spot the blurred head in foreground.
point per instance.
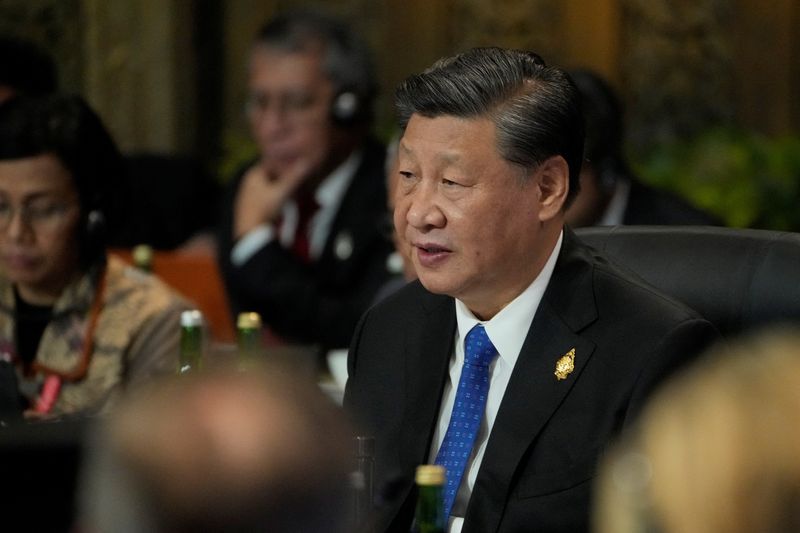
(227, 450)
(716, 451)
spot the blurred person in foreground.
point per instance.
(77, 326)
(301, 239)
(520, 351)
(222, 451)
(716, 451)
(610, 193)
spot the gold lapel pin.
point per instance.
(565, 365)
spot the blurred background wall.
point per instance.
(709, 86)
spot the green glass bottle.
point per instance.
(192, 342)
(362, 484)
(429, 516)
(249, 336)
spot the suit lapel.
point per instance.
(426, 370)
(534, 393)
(356, 216)
(426, 360)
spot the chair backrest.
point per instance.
(739, 279)
(195, 274)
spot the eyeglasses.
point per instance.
(41, 216)
(292, 107)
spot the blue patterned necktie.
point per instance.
(465, 420)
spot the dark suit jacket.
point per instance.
(541, 455)
(163, 201)
(651, 206)
(322, 301)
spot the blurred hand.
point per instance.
(262, 193)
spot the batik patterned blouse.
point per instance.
(136, 337)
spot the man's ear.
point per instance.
(552, 179)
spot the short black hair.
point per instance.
(347, 60)
(535, 108)
(603, 114)
(27, 68)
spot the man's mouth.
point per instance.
(431, 255)
(432, 248)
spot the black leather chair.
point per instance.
(739, 279)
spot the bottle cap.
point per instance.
(192, 318)
(430, 475)
(248, 321)
(365, 446)
(142, 255)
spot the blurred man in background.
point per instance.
(610, 193)
(301, 239)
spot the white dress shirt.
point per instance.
(507, 331)
(615, 211)
(329, 195)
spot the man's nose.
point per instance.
(271, 121)
(424, 211)
(17, 226)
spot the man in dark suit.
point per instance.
(301, 240)
(610, 192)
(569, 346)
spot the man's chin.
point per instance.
(436, 283)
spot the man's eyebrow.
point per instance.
(35, 195)
(47, 195)
(446, 157)
(404, 148)
(450, 157)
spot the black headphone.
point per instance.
(347, 108)
(608, 171)
(95, 224)
(93, 236)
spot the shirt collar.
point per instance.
(508, 329)
(333, 187)
(615, 211)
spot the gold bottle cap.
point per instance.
(142, 255)
(430, 475)
(248, 321)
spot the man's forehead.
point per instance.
(279, 62)
(446, 138)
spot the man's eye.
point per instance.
(258, 102)
(298, 102)
(449, 183)
(43, 210)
